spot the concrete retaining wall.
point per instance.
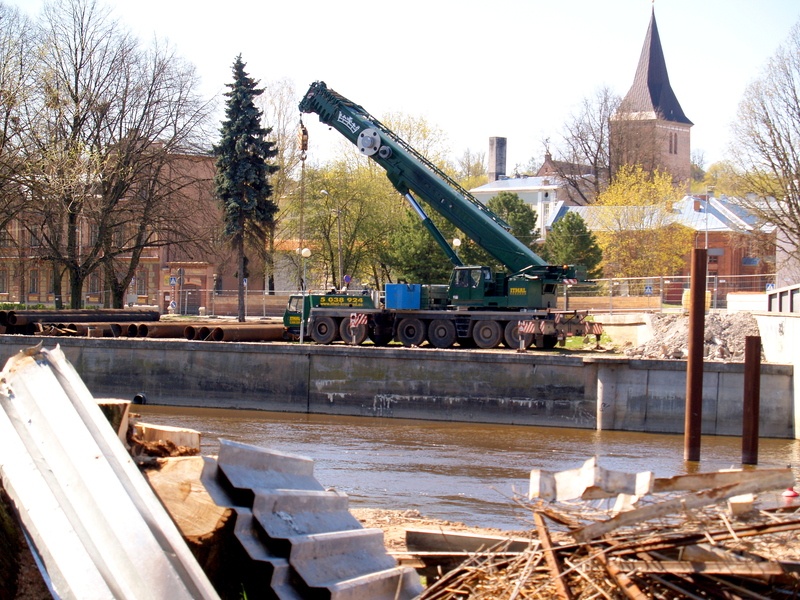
(533, 388)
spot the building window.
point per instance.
(33, 281)
(94, 284)
(6, 241)
(35, 241)
(3, 281)
(141, 283)
(673, 143)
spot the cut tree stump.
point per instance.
(206, 527)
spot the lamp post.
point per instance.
(213, 293)
(304, 254)
(339, 228)
(456, 245)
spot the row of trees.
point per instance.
(91, 123)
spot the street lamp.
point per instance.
(456, 245)
(214, 293)
(304, 254)
(339, 227)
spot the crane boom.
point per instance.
(409, 172)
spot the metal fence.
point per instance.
(602, 295)
(658, 293)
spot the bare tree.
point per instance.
(16, 44)
(767, 145)
(584, 160)
(106, 121)
(278, 105)
(471, 169)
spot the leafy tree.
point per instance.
(416, 257)
(724, 178)
(635, 228)
(513, 210)
(767, 137)
(242, 170)
(570, 242)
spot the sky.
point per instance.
(475, 69)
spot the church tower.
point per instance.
(649, 127)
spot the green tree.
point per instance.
(513, 210)
(570, 242)
(636, 230)
(242, 171)
(415, 257)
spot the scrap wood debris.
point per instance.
(725, 534)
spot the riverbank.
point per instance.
(588, 391)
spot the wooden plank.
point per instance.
(720, 535)
(775, 479)
(747, 569)
(551, 558)
(704, 481)
(624, 583)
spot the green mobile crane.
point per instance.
(478, 307)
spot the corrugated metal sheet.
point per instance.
(95, 525)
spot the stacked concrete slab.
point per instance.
(303, 541)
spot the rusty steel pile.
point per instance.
(132, 323)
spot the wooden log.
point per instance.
(550, 556)
(704, 481)
(206, 527)
(747, 569)
(624, 583)
(180, 436)
(117, 413)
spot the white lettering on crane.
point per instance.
(348, 122)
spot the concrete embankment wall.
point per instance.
(533, 388)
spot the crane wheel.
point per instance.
(442, 333)
(487, 334)
(354, 336)
(511, 336)
(411, 332)
(324, 330)
(546, 342)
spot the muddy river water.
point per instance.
(453, 471)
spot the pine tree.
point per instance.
(571, 242)
(242, 170)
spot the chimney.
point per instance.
(497, 158)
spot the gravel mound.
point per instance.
(724, 336)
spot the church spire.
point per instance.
(651, 95)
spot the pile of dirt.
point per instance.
(724, 338)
